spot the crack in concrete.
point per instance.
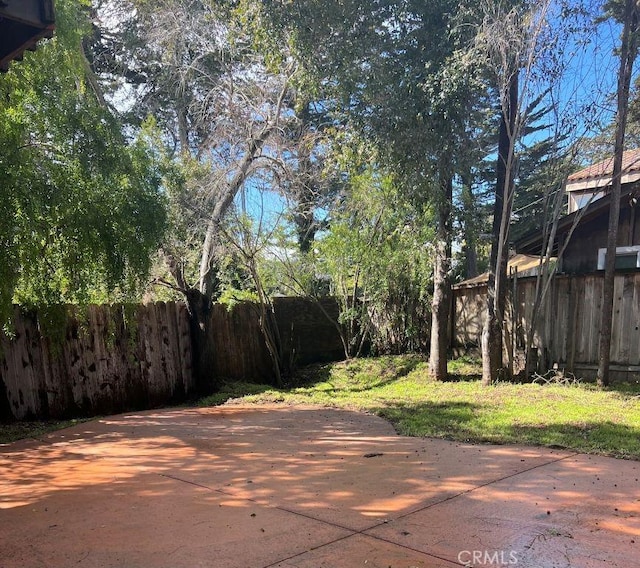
(352, 532)
(366, 531)
(482, 486)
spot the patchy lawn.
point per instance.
(582, 418)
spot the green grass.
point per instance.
(19, 430)
(582, 418)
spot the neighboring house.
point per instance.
(22, 24)
(520, 265)
(567, 322)
(586, 225)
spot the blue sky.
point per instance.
(588, 86)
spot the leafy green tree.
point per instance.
(228, 119)
(305, 178)
(81, 202)
(395, 71)
(374, 255)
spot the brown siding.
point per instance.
(581, 254)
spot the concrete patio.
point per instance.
(266, 486)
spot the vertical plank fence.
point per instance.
(238, 348)
(568, 324)
(101, 359)
(107, 359)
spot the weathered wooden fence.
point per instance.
(568, 322)
(239, 350)
(94, 360)
(106, 359)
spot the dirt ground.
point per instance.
(266, 486)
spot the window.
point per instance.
(626, 257)
(578, 200)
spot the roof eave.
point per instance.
(531, 243)
(600, 182)
(24, 23)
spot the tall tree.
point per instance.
(223, 115)
(309, 184)
(393, 69)
(522, 43)
(81, 201)
(628, 12)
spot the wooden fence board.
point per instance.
(596, 311)
(634, 340)
(569, 324)
(469, 315)
(573, 291)
(184, 347)
(115, 358)
(20, 378)
(586, 323)
(563, 320)
(171, 352)
(618, 336)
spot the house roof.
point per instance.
(599, 174)
(595, 176)
(532, 242)
(22, 24)
(523, 264)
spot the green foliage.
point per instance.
(374, 257)
(232, 296)
(394, 69)
(376, 254)
(82, 202)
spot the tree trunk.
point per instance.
(199, 307)
(470, 228)
(546, 274)
(497, 284)
(208, 281)
(305, 191)
(200, 299)
(306, 226)
(628, 52)
(441, 303)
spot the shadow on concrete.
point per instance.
(249, 486)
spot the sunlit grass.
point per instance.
(582, 418)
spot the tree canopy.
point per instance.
(387, 131)
(82, 203)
